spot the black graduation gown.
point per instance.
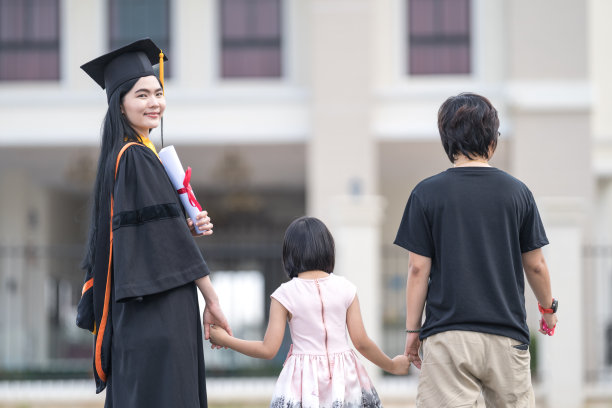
(148, 346)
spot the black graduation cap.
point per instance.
(132, 61)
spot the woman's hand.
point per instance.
(214, 317)
(203, 223)
(218, 337)
(401, 365)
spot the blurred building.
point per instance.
(320, 107)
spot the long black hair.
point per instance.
(116, 131)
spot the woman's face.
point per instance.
(144, 105)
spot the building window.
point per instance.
(29, 40)
(251, 38)
(439, 37)
(131, 20)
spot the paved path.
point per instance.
(395, 392)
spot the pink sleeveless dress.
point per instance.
(321, 370)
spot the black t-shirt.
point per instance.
(474, 223)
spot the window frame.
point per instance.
(164, 43)
(29, 44)
(403, 64)
(284, 48)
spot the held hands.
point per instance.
(401, 365)
(214, 318)
(412, 349)
(218, 337)
(203, 223)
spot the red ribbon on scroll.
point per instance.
(187, 189)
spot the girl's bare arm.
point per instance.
(398, 365)
(267, 348)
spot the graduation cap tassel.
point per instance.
(161, 68)
(161, 80)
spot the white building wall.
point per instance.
(345, 96)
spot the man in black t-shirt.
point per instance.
(470, 232)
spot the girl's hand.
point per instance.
(203, 223)
(401, 365)
(218, 336)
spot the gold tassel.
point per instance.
(161, 80)
(161, 69)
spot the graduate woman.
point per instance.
(142, 265)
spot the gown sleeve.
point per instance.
(153, 249)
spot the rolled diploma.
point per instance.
(175, 171)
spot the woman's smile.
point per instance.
(144, 105)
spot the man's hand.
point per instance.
(412, 348)
(551, 321)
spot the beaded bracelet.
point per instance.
(413, 331)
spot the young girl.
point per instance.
(321, 369)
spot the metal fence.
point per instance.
(597, 313)
(393, 298)
(40, 287)
(248, 259)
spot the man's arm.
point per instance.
(538, 277)
(419, 267)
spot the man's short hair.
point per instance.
(468, 125)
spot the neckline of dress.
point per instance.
(313, 279)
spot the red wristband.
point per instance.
(551, 310)
(544, 310)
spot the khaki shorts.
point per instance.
(459, 365)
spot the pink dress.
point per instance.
(321, 370)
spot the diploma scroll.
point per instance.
(180, 180)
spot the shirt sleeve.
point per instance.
(532, 235)
(414, 233)
(153, 249)
(281, 295)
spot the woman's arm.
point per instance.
(259, 349)
(212, 312)
(369, 349)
